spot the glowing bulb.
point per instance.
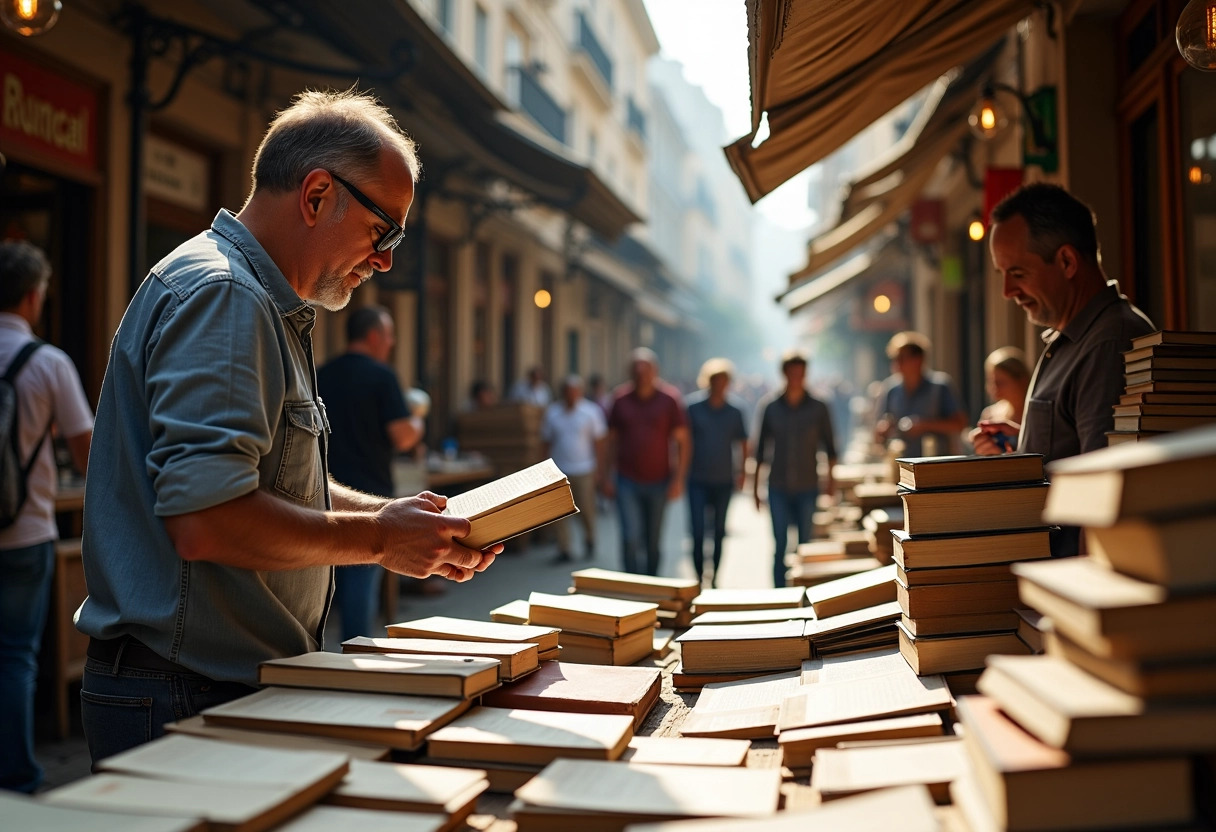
(986, 118)
(30, 17)
(976, 230)
(1195, 175)
(1196, 34)
(882, 304)
(542, 298)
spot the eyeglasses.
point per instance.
(393, 235)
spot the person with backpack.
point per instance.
(40, 390)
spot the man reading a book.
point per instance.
(212, 527)
(1045, 247)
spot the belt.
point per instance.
(126, 651)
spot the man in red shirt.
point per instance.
(646, 419)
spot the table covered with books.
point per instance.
(972, 682)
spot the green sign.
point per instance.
(1041, 148)
(952, 272)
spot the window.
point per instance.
(481, 39)
(1198, 181)
(445, 12)
(513, 61)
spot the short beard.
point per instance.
(331, 292)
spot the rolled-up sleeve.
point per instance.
(215, 390)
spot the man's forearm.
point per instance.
(345, 498)
(258, 531)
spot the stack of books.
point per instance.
(869, 696)
(230, 786)
(246, 787)
(462, 677)
(378, 719)
(513, 745)
(871, 495)
(595, 629)
(512, 612)
(1109, 728)
(812, 573)
(508, 434)
(515, 660)
(746, 709)
(583, 689)
(966, 521)
(597, 795)
(724, 652)
(879, 524)
(673, 596)
(1171, 385)
(726, 600)
(467, 629)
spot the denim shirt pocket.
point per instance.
(300, 470)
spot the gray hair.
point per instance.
(341, 131)
(23, 268)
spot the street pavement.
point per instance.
(746, 563)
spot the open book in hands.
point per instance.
(514, 504)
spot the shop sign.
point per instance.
(47, 114)
(176, 174)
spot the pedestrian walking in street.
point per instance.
(574, 434)
(47, 395)
(647, 426)
(719, 449)
(793, 428)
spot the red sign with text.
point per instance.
(48, 114)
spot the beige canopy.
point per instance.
(823, 70)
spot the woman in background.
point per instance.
(1006, 379)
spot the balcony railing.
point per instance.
(589, 43)
(635, 118)
(535, 100)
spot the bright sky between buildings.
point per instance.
(709, 37)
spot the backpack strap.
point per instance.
(10, 376)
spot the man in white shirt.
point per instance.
(48, 393)
(574, 433)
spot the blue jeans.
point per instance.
(123, 706)
(25, 592)
(715, 499)
(790, 507)
(641, 506)
(356, 592)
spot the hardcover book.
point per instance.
(514, 504)
(460, 676)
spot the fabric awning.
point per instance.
(824, 71)
(895, 180)
(458, 122)
(866, 262)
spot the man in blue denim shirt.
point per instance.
(211, 526)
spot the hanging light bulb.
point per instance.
(30, 17)
(986, 117)
(1196, 34)
(975, 230)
